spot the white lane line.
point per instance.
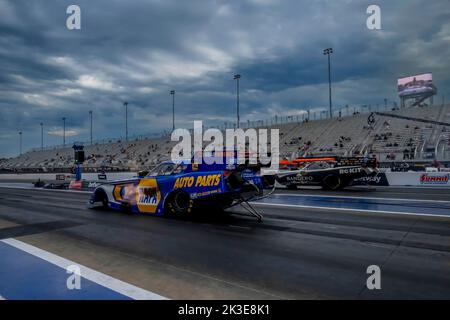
(353, 197)
(277, 194)
(41, 189)
(102, 279)
(431, 187)
(349, 209)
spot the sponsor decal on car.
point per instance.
(379, 179)
(184, 182)
(374, 180)
(210, 180)
(350, 170)
(247, 174)
(196, 195)
(124, 192)
(148, 195)
(300, 178)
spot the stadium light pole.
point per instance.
(64, 131)
(90, 114)
(42, 136)
(20, 143)
(126, 120)
(237, 77)
(172, 93)
(328, 52)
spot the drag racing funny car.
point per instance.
(180, 188)
(330, 175)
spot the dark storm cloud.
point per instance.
(137, 51)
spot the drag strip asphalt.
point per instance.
(295, 253)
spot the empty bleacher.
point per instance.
(389, 138)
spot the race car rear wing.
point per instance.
(339, 161)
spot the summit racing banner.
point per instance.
(434, 179)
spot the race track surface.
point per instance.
(311, 245)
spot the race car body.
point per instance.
(178, 188)
(323, 174)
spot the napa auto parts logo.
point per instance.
(434, 178)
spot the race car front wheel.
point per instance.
(331, 182)
(179, 203)
(101, 197)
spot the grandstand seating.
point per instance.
(391, 139)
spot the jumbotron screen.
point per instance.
(414, 85)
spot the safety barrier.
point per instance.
(418, 179)
(110, 176)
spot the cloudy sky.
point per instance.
(139, 50)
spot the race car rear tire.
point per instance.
(291, 187)
(331, 182)
(178, 203)
(105, 202)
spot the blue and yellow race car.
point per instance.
(179, 188)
